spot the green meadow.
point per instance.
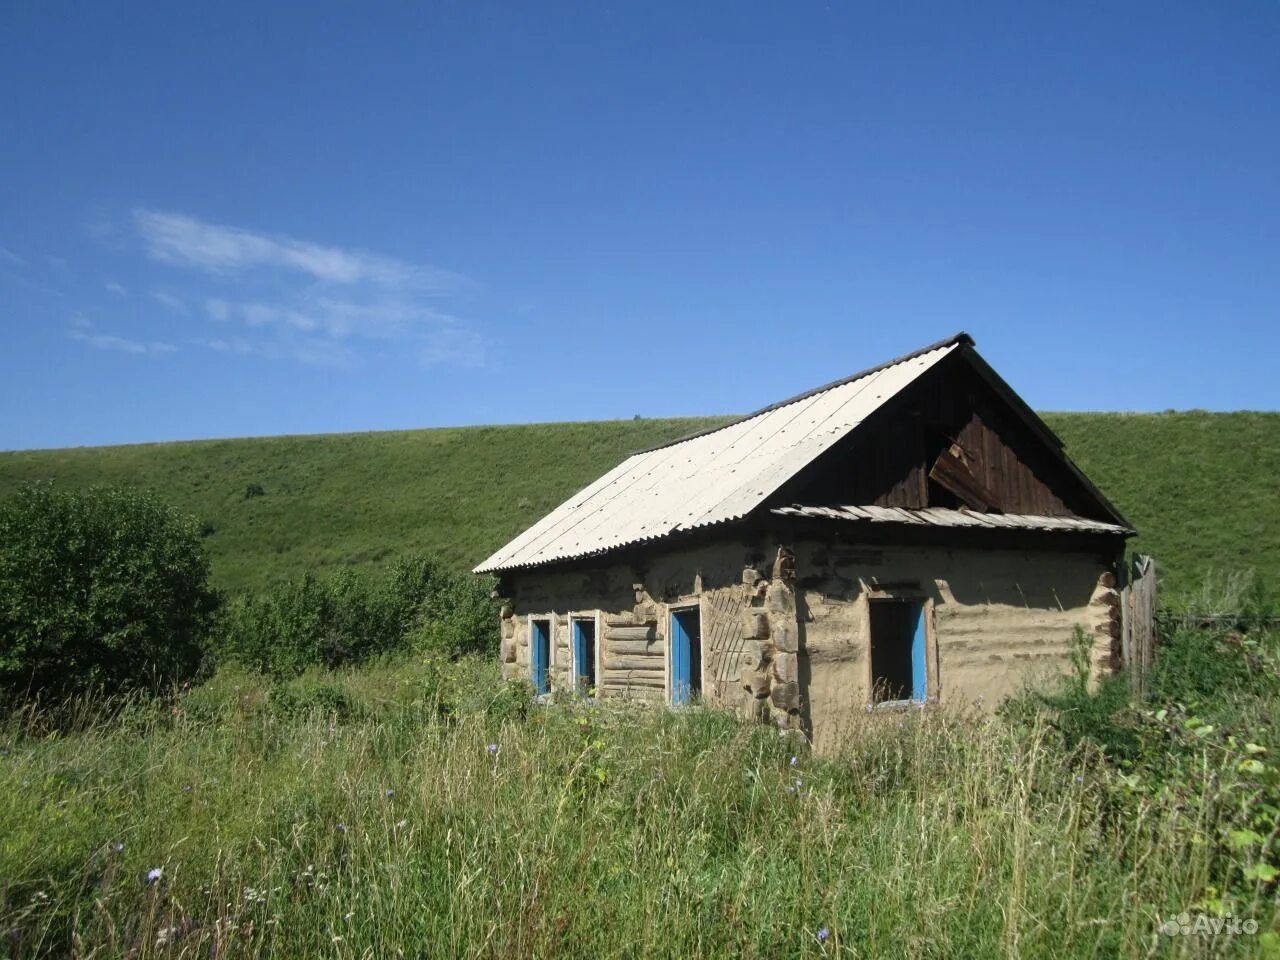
(418, 806)
(1203, 489)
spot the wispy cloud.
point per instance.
(386, 319)
(463, 348)
(178, 238)
(11, 258)
(280, 297)
(313, 352)
(169, 301)
(259, 314)
(84, 332)
(118, 289)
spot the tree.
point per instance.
(108, 587)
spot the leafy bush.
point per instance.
(107, 587)
(1205, 736)
(1200, 673)
(290, 702)
(418, 605)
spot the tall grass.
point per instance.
(427, 810)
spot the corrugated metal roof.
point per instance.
(711, 477)
(946, 517)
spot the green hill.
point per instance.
(1201, 487)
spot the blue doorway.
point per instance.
(584, 655)
(686, 654)
(898, 659)
(540, 655)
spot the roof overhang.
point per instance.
(717, 476)
(945, 517)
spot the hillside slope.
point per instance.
(354, 499)
(1201, 487)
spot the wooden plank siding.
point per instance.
(633, 658)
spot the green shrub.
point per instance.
(293, 701)
(106, 587)
(348, 618)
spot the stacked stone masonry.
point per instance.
(785, 627)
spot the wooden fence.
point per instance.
(1138, 620)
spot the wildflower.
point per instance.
(799, 782)
(492, 748)
(340, 827)
(791, 789)
(388, 792)
(154, 874)
(186, 788)
(1079, 778)
(401, 824)
(794, 761)
(823, 934)
(117, 847)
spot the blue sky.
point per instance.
(273, 218)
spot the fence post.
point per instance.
(1138, 621)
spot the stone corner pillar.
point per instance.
(770, 627)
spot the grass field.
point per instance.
(423, 808)
(1201, 487)
(349, 815)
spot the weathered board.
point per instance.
(1138, 621)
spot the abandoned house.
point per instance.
(913, 533)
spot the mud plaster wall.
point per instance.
(994, 619)
(785, 635)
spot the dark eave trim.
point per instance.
(1039, 427)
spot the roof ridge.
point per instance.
(955, 338)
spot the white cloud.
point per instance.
(107, 341)
(117, 288)
(219, 310)
(284, 298)
(169, 301)
(463, 348)
(177, 238)
(321, 353)
(380, 319)
(11, 258)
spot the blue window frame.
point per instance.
(540, 655)
(584, 654)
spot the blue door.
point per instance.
(919, 685)
(686, 655)
(540, 655)
(584, 655)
